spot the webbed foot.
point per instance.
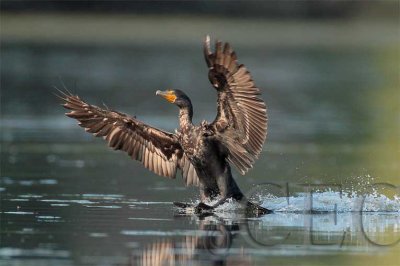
(254, 209)
(202, 207)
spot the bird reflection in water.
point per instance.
(210, 244)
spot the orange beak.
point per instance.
(169, 95)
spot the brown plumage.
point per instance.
(158, 150)
(241, 121)
(203, 152)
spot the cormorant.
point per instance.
(202, 152)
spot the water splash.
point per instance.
(332, 201)
(346, 200)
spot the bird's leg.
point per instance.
(252, 208)
(220, 202)
(204, 194)
(227, 187)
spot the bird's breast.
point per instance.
(195, 146)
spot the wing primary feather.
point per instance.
(241, 122)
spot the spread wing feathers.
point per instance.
(188, 172)
(241, 121)
(158, 150)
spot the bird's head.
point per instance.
(176, 97)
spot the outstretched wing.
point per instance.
(241, 121)
(158, 150)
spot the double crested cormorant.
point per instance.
(203, 152)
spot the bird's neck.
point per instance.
(185, 116)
